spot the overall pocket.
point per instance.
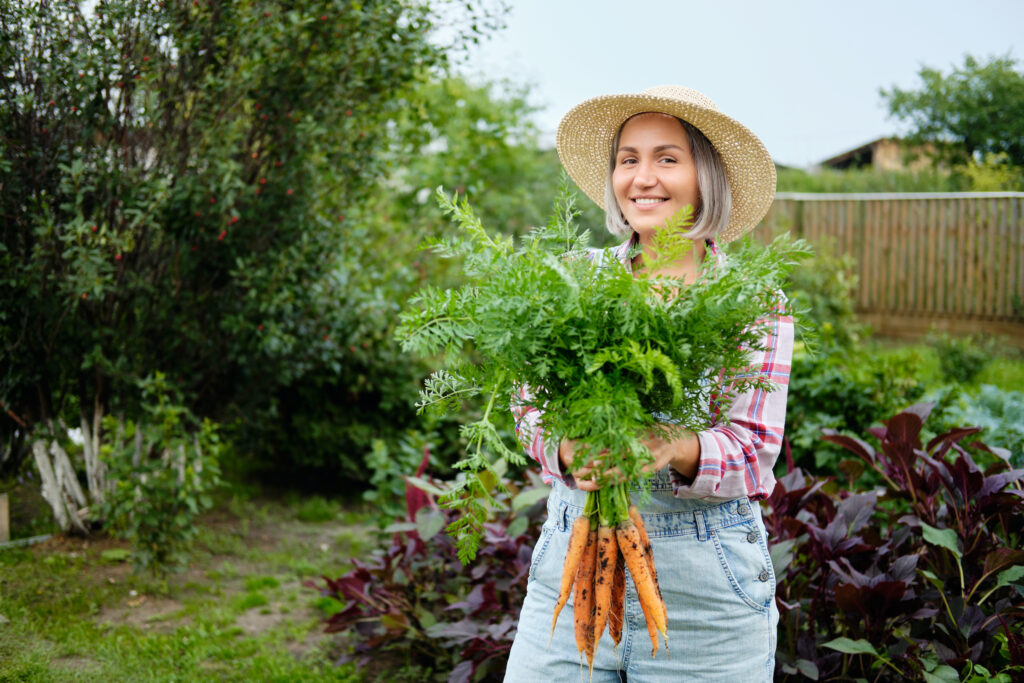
(743, 556)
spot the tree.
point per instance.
(179, 193)
(973, 113)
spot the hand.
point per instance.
(584, 482)
(682, 454)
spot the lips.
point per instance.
(648, 201)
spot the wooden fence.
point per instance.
(949, 261)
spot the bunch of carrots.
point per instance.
(606, 540)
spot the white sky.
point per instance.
(803, 75)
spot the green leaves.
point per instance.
(945, 538)
(601, 349)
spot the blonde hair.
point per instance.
(711, 216)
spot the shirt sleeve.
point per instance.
(739, 449)
(533, 439)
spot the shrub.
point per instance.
(163, 470)
(846, 390)
(822, 289)
(921, 578)
(961, 359)
(415, 606)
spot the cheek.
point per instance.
(620, 183)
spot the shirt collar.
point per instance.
(622, 251)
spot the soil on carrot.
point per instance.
(73, 609)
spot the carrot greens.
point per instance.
(606, 353)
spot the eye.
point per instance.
(624, 161)
(668, 160)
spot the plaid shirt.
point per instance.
(738, 449)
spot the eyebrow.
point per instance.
(659, 148)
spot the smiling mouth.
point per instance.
(648, 201)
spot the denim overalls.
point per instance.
(716, 578)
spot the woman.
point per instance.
(644, 157)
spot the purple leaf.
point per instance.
(462, 673)
(904, 429)
(850, 443)
(904, 568)
(1001, 558)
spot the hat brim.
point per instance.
(584, 143)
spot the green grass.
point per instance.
(239, 613)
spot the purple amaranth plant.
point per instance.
(921, 578)
(415, 604)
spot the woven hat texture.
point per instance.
(585, 135)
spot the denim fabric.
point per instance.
(716, 578)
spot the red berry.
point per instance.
(146, 58)
(352, 349)
(213, 200)
(366, 345)
(83, 295)
(222, 235)
(51, 103)
(278, 162)
(263, 181)
(44, 130)
(138, 76)
(348, 112)
(195, 247)
(327, 337)
(323, 17)
(257, 105)
(95, 228)
(198, 214)
(260, 328)
(257, 190)
(234, 219)
(289, 192)
(341, 218)
(74, 108)
(120, 84)
(117, 257)
(266, 14)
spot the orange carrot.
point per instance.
(577, 542)
(618, 599)
(607, 556)
(583, 602)
(638, 520)
(647, 593)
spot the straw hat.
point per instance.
(585, 137)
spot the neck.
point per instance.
(686, 266)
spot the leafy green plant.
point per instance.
(822, 288)
(164, 470)
(600, 348)
(391, 464)
(961, 359)
(998, 412)
(845, 389)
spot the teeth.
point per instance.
(648, 200)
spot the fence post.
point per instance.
(5, 519)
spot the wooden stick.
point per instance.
(5, 519)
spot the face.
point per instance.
(654, 175)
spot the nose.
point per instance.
(645, 176)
